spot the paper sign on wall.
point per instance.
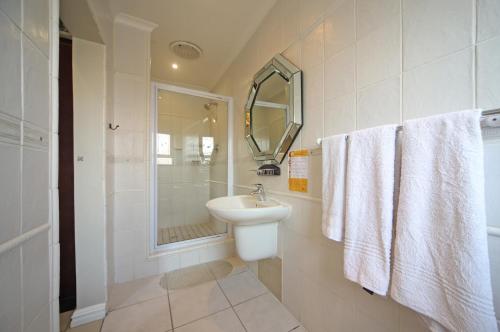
(298, 170)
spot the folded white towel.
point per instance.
(441, 266)
(334, 164)
(369, 207)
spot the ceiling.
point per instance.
(220, 27)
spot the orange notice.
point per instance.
(298, 164)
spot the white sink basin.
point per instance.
(245, 210)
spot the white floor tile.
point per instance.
(190, 304)
(151, 316)
(189, 276)
(265, 314)
(89, 327)
(241, 287)
(136, 291)
(227, 267)
(224, 321)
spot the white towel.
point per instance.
(334, 164)
(441, 266)
(369, 207)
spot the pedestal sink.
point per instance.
(255, 223)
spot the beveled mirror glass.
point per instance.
(273, 112)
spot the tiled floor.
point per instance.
(221, 296)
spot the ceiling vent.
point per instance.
(185, 50)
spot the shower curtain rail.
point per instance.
(489, 118)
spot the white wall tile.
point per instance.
(310, 11)
(35, 189)
(340, 28)
(35, 276)
(378, 54)
(488, 73)
(312, 105)
(10, 193)
(372, 14)
(36, 23)
(290, 21)
(438, 87)
(36, 85)
(312, 48)
(488, 16)
(379, 104)
(132, 42)
(432, 29)
(189, 257)
(492, 179)
(340, 115)
(10, 292)
(10, 67)
(12, 8)
(494, 249)
(340, 73)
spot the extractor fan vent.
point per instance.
(185, 50)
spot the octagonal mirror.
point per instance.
(273, 112)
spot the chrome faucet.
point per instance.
(259, 193)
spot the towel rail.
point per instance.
(489, 118)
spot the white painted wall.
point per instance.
(90, 219)
(29, 248)
(365, 63)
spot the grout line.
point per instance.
(232, 307)
(169, 303)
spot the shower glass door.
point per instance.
(190, 164)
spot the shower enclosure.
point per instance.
(190, 164)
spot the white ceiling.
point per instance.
(220, 27)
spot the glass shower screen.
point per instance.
(190, 165)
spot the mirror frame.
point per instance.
(290, 73)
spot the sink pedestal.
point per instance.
(256, 242)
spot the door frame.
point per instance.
(153, 219)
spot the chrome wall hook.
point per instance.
(111, 127)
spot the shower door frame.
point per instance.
(156, 248)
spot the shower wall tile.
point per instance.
(488, 16)
(433, 29)
(438, 87)
(488, 73)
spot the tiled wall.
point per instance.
(129, 163)
(365, 63)
(28, 85)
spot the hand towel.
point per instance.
(369, 207)
(441, 265)
(334, 163)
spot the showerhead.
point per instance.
(208, 106)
